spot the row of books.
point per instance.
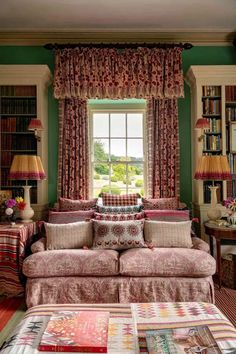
(87, 331)
(231, 188)
(8, 142)
(232, 162)
(15, 124)
(207, 192)
(18, 91)
(18, 106)
(230, 93)
(211, 91)
(211, 106)
(215, 125)
(212, 142)
(230, 114)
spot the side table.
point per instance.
(13, 244)
(219, 233)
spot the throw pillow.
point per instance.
(167, 215)
(66, 204)
(119, 209)
(118, 217)
(160, 203)
(168, 234)
(67, 217)
(119, 200)
(118, 235)
(65, 236)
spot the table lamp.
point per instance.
(27, 167)
(215, 168)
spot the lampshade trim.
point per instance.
(27, 175)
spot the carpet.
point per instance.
(12, 310)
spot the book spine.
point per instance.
(69, 348)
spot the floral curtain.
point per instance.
(73, 167)
(163, 148)
(109, 73)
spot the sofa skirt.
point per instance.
(61, 290)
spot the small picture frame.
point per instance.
(4, 195)
(232, 137)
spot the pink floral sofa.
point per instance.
(111, 276)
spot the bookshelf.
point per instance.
(23, 96)
(213, 96)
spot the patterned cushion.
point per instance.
(64, 236)
(118, 235)
(119, 209)
(67, 217)
(80, 204)
(160, 203)
(118, 217)
(168, 234)
(167, 215)
(125, 199)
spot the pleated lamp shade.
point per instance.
(35, 124)
(213, 167)
(202, 123)
(27, 167)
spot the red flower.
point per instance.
(21, 205)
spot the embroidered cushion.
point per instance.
(66, 204)
(167, 215)
(168, 234)
(119, 209)
(124, 199)
(118, 235)
(160, 203)
(67, 217)
(65, 236)
(118, 217)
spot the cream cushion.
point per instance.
(64, 236)
(168, 234)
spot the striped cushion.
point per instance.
(66, 204)
(167, 215)
(119, 209)
(118, 217)
(116, 200)
(160, 203)
(67, 217)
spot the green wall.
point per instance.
(195, 56)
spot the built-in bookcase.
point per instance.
(213, 96)
(23, 96)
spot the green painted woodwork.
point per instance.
(201, 55)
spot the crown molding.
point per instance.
(205, 37)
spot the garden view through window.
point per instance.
(117, 152)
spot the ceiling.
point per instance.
(42, 21)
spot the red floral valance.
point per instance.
(109, 73)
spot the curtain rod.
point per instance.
(52, 46)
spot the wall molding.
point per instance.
(205, 37)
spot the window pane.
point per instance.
(101, 149)
(135, 125)
(118, 149)
(135, 149)
(100, 125)
(118, 125)
(118, 175)
(135, 175)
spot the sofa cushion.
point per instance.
(66, 204)
(168, 234)
(118, 217)
(67, 217)
(160, 203)
(119, 209)
(74, 235)
(167, 215)
(119, 200)
(118, 235)
(178, 262)
(59, 263)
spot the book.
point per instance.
(76, 331)
(189, 340)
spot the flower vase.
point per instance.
(232, 219)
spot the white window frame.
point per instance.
(117, 108)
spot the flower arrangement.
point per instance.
(230, 203)
(12, 205)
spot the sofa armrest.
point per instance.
(39, 245)
(199, 244)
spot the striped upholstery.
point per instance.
(66, 217)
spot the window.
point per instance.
(117, 142)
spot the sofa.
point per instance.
(111, 276)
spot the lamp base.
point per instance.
(213, 212)
(28, 212)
